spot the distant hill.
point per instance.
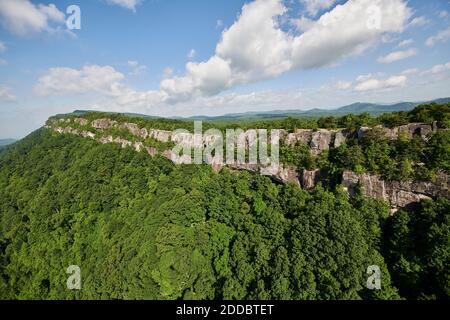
(5, 142)
(355, 108)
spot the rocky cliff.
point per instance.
(397, 194)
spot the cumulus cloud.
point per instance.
(302, 24)
(90, 78)
(253, 48)
(256, 48)
(205, 78)
(127, 4)
(23, 17)
(2, 47)
(397, 55)
(313, 7)
(101, 80)
(441, 36)
(372, 83)
(6, 94)
(360, 23)
(443, 14)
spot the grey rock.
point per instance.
(103, 123)
(320, 141)
(132, 128)
(310, 178)
(362, 132)
(81, 121)
(151, 151)
(397, 194)
(340, 138)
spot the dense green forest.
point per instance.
(140, 227)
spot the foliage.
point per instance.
(141, 228)
(417, 250)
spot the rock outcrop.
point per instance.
(103, 124)
(410, 130)
(81, 121)
(319, 140)
(133, 128)
(397, 194)
(160, 135)
(310, 178)
(341, 137)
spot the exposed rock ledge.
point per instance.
(397, 194)
(318, 140)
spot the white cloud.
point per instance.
(438, 69)
(6, 94)
(136, 68)
(219, 24)
(23, 17)
(132, 63)
(205, 78)
(419, 21)
(255, 48)
(348, 29)
(388, 38)
(3, 62)
(410, 71)
(303, 23)
(251, 49)
(343, 85)
(102, 81)
(127, 4)
(365, 77)
(405, 43)
(443, 14)
(90, 78)
(313, 7)
(371, 83)
(2, 47)
(441, 36)
(191, 55)
(397, 55)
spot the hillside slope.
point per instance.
(140, 227)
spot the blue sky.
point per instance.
(182, 58)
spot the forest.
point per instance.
(140, 227)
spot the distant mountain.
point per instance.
(5, 142)
(355, 108)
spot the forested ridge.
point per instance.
(141, 227)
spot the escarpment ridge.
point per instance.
(160, 142)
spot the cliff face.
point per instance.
(397, 194)
(318, 141)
